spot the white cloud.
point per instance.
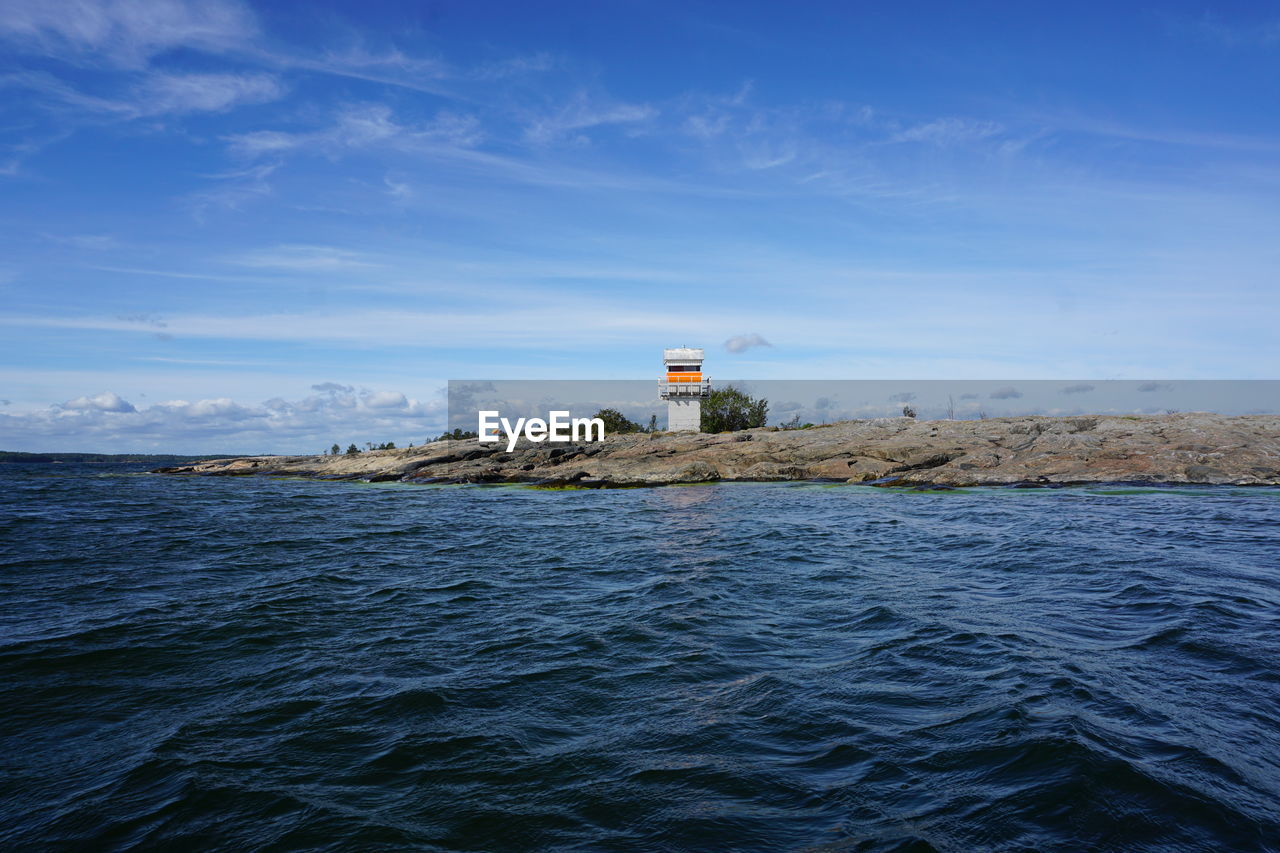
(362, 126)
(333, 388)
(124, 33)
(107, 422)
(706, 126)
(185, 93)
(358, 57)
(107, 401)
(515, 66)
(583, 113)
(742, 343)
(399, 190)
(304, 259)
(222, 408)
(55, 91)
(385, 400)
(949, 131)
(92, 242)
(139, 96)
(234, 188)
(758, 156)
(259, 142)
(430, 74)
(155, 94)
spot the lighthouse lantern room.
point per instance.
(684, 388)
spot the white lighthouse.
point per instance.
(684, 389)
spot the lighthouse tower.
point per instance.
(684, 389)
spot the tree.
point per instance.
(458, 434)
(729, 408)
(615, 421)
(794, 423)
(352, 450)
(335, 450)
(908, 412)
(653, 424)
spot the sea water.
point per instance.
(256, 663)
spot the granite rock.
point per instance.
(1177, 448)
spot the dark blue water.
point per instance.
(267, 664)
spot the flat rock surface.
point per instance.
(1176, 448)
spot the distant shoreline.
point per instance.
(16, 457)
(1189, 449)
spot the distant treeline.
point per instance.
(158, 458)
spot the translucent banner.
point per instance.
(818, 401)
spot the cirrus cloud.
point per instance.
(186, 93)
(124, 33)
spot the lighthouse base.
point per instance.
(684, 415)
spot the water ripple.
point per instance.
(296, 665)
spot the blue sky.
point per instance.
(267, 227)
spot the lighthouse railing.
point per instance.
(684, 388)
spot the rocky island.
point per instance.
(1177, 448)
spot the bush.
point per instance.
(728, 408)
(457, 435)
(352, 450)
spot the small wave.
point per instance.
(307, 666)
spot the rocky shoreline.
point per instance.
(1193, 448)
